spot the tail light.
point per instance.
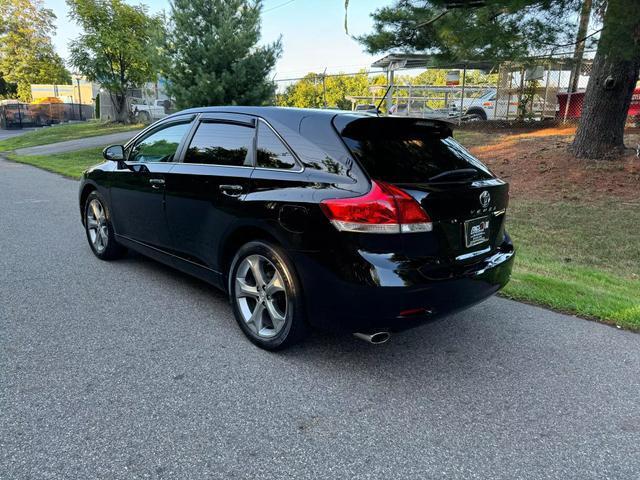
(384, 209)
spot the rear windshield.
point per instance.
(409, 151)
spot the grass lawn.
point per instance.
(581, 258)
(69, 164)
(60, 133)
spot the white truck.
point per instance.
(147, 112)
(485, 106)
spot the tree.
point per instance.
(613, 78)
(214, 54)
(117, 47)
(316, 90)
(26, 53)
(497, 29)
(7, 90)
(513, 29)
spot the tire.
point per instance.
(272, 317)
(144, 117)
(99, 229)
(476, 116)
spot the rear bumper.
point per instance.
(371, 292)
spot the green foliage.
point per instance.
(503, 29)
(117, 46)
(214, 56)
(7, 89)
(308, 92)
(26, 52)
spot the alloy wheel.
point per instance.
(97, 225)
(261, 296)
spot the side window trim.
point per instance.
(182, 149)
(156, 128)
(208, 119)
(299, 165)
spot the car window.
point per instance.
(406, 150)
(161, 145)
(221, 144)
(271, 152)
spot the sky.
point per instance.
(313, 35)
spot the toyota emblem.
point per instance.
(485, 199)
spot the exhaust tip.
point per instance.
(376, 338)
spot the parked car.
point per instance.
(341, 221)
(487, 106)
(149, 111)
(483, 107)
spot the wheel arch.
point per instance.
(238, 237)
(84, 194)
(477, 110)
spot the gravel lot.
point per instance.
(128, 370)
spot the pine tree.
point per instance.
(214, 54)
(615, 72)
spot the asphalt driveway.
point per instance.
(128, 370)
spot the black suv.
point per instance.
(350, 222)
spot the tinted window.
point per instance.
(221, 144)
(161, 145)
(405, 151)
(272, 153)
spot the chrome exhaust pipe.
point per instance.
(376, 338)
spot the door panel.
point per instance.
(202, 201)
(137, 192)
(205, 192)
(137, 201)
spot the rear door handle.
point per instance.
(156, 182)
(231, 190)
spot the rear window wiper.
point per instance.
(457, 174)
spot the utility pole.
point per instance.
(79, 98)
(583, 26)
(324, 87)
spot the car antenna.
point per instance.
(384, 97)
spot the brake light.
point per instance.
(384, 209)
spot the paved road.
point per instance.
(4, 134)
(79, 144)
(130, 370)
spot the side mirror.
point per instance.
(114, 153)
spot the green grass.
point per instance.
(60, 133)
(578, 258)
(69, 164)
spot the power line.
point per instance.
(278, 6)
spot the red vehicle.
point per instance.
(574, 109)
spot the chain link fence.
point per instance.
(547, 90)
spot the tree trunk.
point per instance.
(121, 111)
(611, 84)
(578, 53)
